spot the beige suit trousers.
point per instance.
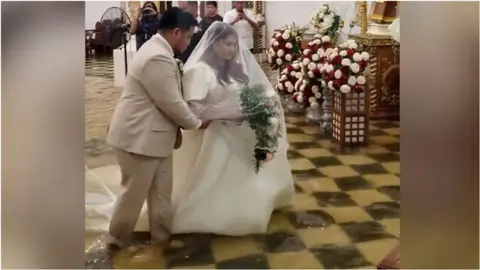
(143, 178)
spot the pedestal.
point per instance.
(119, 63)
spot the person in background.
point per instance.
(192, 8)
(211, 15)
(183, 5)
(145, 25)
(243, 21)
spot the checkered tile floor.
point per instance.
(346, 213)
(99, 66)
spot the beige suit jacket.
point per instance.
(151, 109)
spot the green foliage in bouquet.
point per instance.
(259, 110)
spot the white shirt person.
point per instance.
(243, 21)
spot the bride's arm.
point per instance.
(222, 111)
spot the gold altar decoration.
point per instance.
(384, 53)
(383, 12)
(259, 33)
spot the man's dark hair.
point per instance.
(176, 18)
(212, 3)
(192, 3)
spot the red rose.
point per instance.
(350, 52)
(331, 75)
(363, 65)
(345, 70)
(358, 88)
(336, 84)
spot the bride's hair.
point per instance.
(229, 69)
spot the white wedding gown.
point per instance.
(215, 187)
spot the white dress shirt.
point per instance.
(243, 28)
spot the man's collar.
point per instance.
(164, 42)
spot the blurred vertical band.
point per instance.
(43, 134)
(439, 143)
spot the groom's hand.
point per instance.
(205, 124)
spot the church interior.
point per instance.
(344, 140)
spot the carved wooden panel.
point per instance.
(258, 34)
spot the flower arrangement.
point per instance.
(285, 46)
(326, 21)
(260, 107)
(308, 90)
(347, 68)
(288, 77)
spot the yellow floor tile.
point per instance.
(391, 225)
(338, 171)
(301, 164)
(208, 266)
(225, 248)
(375, 251)
(374, 149)
(315, 152)
(355, 159)
(393, 167)
(147, 257)
(304, 202)
(367, 197)
(330, 235)
(348, 214)
(392, 131)
(294, 119)
(384, 139)
(312, 130)
(326, 144)
(293, 260)
(290, 125)
(321, 184)
(293, 137)
(280, 223)
(381, 180)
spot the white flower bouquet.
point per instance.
(326, 21)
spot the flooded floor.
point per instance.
(346, 212)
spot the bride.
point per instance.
(216, 189)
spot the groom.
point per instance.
(145, 129)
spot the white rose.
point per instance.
(325, 39)
(271, 51)
(295, 66)
(320, 51)
(317, 41)
(352, 45)
(284, 77)
(279, 61)
(361, 80)
(315, 89)
(343, 53)
(272, 41)
(288, 57)
(277, 35)
(329, 50)
(297, 83)
(273, 121)
(335, 49)
(330, 85)
(365, 56)
(288, 45)
(314, 105)
(318, 95)
(286, 35)
(302, 87)
(357, 57)
(305, 61)
(270, 94)
(317, 36)
(323, 83)
(338, 74)
(288, 83)
(345, 89)
(315, 57)
(311, 66)
(293, 73)
(280, 86)
(350, 41)
(312, 99)
(298, 75)
(319, 66)
(300, 99)
(290, 88)
(280, 53)
(329, 68)
(323, 69)
(333, 55)
(323, 8)
(306, 51)
(355, 68)
(275, 44)
(352, 80)
(346, 62)
(343, 45)
(269, 58)
(310, 74)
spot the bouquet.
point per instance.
(288, 77)
(261, 111)
(308, 90)
(347, 68)
(326, 22)
(285, 46)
